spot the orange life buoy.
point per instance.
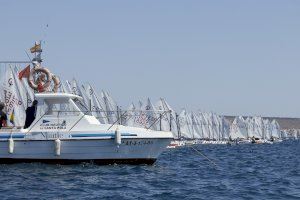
(43, 81)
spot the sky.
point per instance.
(231, 57)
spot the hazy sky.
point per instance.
(230, 57)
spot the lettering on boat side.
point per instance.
(55, 135)
(48, 125)
(137, 142)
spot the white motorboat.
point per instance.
(64, 133)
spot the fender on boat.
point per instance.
(118, 136)
(11, 146)
(57, 144)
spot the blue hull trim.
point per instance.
(100, 135)
(12, 136)
(79, 135)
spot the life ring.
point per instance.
(43, 83)
(41, 87)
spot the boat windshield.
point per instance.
(82, 106)
(63, 107)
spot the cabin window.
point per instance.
(60, 108)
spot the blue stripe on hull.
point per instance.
(13, 136)
(19, 136)
(101, 135)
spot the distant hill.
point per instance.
(285, 123)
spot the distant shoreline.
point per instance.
(286, 123)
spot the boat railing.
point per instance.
(148, 119)
(142, 118)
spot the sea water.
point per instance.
(261, 171)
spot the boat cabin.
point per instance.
(60, 112)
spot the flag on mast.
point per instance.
(36, 48)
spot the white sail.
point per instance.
(251, 127)
(258, 127)
(84, 94)
(11, 95)
(76, 89)
(164, 121)
(129, 117)
(267, 129)
(68, 87)
(96, 106)
(284, 134)
(172, 118)
(146, 116)
(168, 121)
(190, 125)
(185, 124)
(196, 126)
(26, 91)
(209, 125)
(238, 128)
(63, 88)
(138, 117)
(112, 110)
(225, 128)
(275, 130)
(205, 126)
(216, 126)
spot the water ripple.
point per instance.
(242, 172)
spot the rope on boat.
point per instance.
(207, 158)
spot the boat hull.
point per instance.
(98, 151)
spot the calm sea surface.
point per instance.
(243, 172)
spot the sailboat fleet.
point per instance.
(186, 127)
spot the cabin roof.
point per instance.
(56, 96)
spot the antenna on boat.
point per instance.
(37, 50)
(28, 56)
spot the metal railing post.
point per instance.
(160, 121)
(170, 120)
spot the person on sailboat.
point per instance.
(30, 114)
(3, 117)
(253, 140)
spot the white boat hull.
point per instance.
(99, 151)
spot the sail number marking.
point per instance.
(137, 143)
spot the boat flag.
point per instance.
(12, 118)
(36, 48)
(24, 73)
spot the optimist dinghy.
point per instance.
(63, 133)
